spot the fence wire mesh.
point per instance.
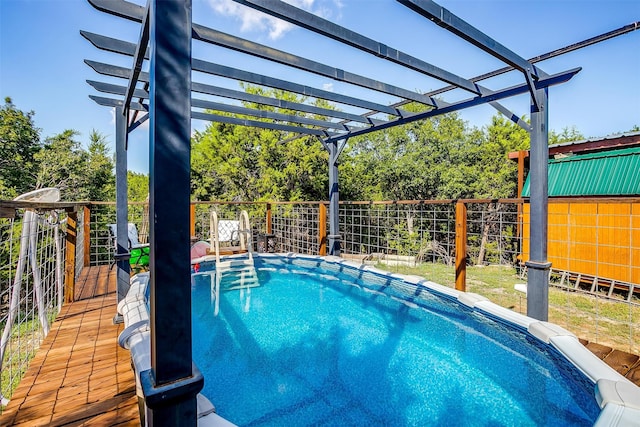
(296, 228)
(102, 243)
(594, 247)
(398, 233)
(32, 248)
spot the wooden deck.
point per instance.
(79, 376)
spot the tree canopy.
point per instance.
(19, 143)
(230, 162)
(437, 158)
(61, 161)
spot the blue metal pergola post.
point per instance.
(122, 241)
(334, 199)
(538, 265)
(171, 385)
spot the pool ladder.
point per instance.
(244, 240)
(243, 267)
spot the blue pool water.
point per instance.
(338, 347)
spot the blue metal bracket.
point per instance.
(133, 126)
(511, 116)
(341, 147)
(532, 89)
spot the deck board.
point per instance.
(79, 376)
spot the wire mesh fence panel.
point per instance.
(31, 288)
(102, 243)
(102, 240)
(493, 235)
(398, 233)
(596, 317)
(138, 215)
(595, 244)
(296, 227)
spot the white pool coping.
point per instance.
(618, 398)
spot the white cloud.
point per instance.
(328, 86)
(253, 20)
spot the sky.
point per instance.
(42, 54)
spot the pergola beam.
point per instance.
(511, 116)
(126, 48)
(447, 20)
(219, 38)
(110, 102)
(217, 106)
(121, 72)
(542, 57)
(470, 102)
(245, 46)
(334, 31)
(209, 35)
(280, 103)
(450, 22)
(138, 58)
(497, 95)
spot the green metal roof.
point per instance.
(606, 173)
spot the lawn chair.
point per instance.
(139, 258)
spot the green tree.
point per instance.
(19, 142)
(79, 174)
(100, 180)
(61, 165)
(567, 134)
(494, 176)
(137, 186)
(412, 161)
(231, 162)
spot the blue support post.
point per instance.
(122, 211)
(334, 199)
(538, 265)
(171, 385)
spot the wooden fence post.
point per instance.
(87, 236)
(70, 258)
(461, 246)
(322, 229)
(521, 156)
(192, 221)
(268, 219)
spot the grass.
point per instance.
(26, 336)
(614, 323)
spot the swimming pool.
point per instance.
(324, 341)
(319, 341)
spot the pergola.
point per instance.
(168, 98)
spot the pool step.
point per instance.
(234, 264)
(239, 278)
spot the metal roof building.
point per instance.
(605, 173)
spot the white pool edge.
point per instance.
(618, 398)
